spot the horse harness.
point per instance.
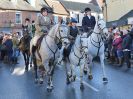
(82, 55)
(99, 40)
(60, 39)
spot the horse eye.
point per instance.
(99, 24)
(61, 30)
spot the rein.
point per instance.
(82, 55)
(60, 40)
(100, 39)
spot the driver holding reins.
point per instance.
(88, 21)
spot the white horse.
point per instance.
(47, 53)
(77, 57)
(96, 46)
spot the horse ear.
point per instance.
(57, 27)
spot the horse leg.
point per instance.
(69, 72)
(42, 72)
(90, 77)
(27, 60)
(31, 60)
(61, 55)
(35, 63)
(85, 68)
(81, 78)
(72, 72)
(50, 79)
(24, 54)
(103, 68)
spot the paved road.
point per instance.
(15, 84)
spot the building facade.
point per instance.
(115, 10)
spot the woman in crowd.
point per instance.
(117, 43)
(15, 41)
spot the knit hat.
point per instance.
(73, 20)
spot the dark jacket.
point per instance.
(86, 22)
(73, 31)
(127, 41)
(8, 43)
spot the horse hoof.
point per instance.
(36, 81)
(85, 72)
(81, 87)
(105, 80)
(26, 70)
(41, 81)
(74, 78)
(49, 89)
(90, 77)
(68, 81)
(30, 65)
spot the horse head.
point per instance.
(25, 30)
(60, 33)
(82, 43)
(100, 27)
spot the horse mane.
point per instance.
(53, 30)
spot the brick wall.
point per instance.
(7, 19)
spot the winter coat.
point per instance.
(127, 41)
(86, 22)
(42, 24)
(118, 43)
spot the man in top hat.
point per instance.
(88, 21)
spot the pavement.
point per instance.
(17, 84)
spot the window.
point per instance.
(18, 18)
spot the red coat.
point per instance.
(118, 43)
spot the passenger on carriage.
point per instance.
(88, 21)
(43, 23)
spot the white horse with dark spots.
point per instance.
(47, 53)
(77, 57)
(96, 47)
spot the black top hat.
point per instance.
(87, 9)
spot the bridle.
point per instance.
(99, 36)
(81, 49)
(60, 38)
